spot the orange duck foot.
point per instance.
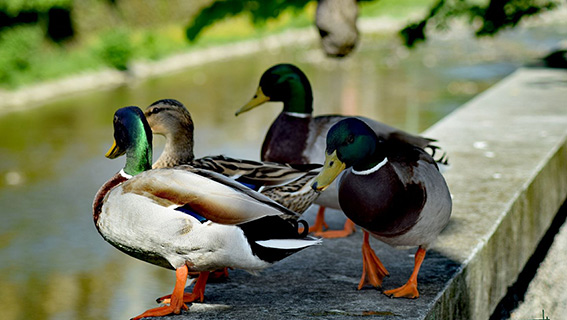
(176, 298)
(373, 271)
(218, 275)
(408, 290)
(330, 234)
(215, 276)
(162, 311)
(319, 224)
(197, 294)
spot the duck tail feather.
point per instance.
(436, 151)
(289, 244)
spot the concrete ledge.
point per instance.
(508, 149)
(509, 178)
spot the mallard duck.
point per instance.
(285, 184)
(298, 137)
(393, 190)
(336, 22)
(185, 218)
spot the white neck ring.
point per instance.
(298, 114)
(124, 174)
(371, 170)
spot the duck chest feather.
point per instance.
(101, 194)
(381, 202)
(286, 140)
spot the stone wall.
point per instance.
(508, 150)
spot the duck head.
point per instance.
(133, 137)
(169, 116)
(285, 83)
(350, 143)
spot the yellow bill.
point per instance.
(331, 169)
(114, 151)
(258, 99)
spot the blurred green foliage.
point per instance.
(20, 46)
(490, 16)
(259, 11)
(113, 33)
(14, 7)
(104, 33)
(116, 48)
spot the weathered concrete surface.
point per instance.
(508, 149)
(509, 177)
(547, 292)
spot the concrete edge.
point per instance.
(501, 253)
(458, 301)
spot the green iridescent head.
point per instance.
(350, 143)
(285, 83)
(133, 137)
(353, 141)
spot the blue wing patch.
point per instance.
(188, 210)
(249, 185)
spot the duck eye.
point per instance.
(155, 110)
(350, 139)
(323, 33)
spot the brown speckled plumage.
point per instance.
(284, 184)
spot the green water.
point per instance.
(53, 263)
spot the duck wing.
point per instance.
(408, 160)
(254, 172)
(209, 195)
